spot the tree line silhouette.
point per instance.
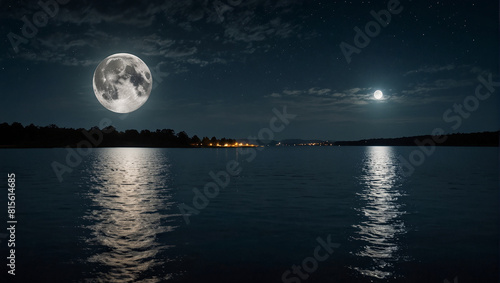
(16, 135)
(31, 136)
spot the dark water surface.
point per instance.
(116, 216)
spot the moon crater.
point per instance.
(122, 83)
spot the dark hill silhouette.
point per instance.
(457, 139)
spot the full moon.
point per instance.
(122, 83)
(378, 94)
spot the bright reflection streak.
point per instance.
(379, 231)
(125, 217)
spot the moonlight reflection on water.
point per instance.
(126, 213)
(381, 226)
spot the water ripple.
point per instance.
(381, 227)
(128, 189)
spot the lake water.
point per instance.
(340, 214)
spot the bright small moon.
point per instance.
(378, 94)
(122, 82)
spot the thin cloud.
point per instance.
(431, 69)
(325, 96)
(437, 85)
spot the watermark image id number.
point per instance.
(11, 222)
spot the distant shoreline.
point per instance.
(17, 147)
(209, 147)
(482, 139)
(18, 136)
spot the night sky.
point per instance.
(221, 69)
